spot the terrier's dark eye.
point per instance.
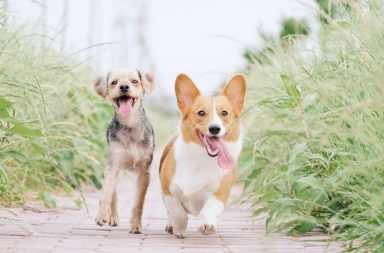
(114, 82)
(134, 81)
(224, 113)
(201, 113)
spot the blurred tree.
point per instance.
(291, 29)
(252, 54)
(335, 9)
(64, 21)
(4, 12)
(328, 7)
(43, 21)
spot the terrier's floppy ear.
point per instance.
(235, 90)
(186, 91)
(148, 81)
(100, 85)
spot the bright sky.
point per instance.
(206, 39)
(202, 38)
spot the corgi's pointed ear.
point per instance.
(186, 91)
(100, 85)
(235, 90)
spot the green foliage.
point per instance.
(313, 154)
(294, 27)
(52, 125)
(47, 199)
(78, 202)
(328, 7)
(262, 55)
(335, 9)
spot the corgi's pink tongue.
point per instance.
(224, 158)
(125, 107)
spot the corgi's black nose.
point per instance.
(124, 88)
(214, 129)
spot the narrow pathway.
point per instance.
(73, 230)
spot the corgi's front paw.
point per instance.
(179, 234)
(169, 229)
(207, 229)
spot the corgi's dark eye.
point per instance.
(114, 82)
(201, 113)
(134, 81)
(224, 113)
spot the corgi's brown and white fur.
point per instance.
(198, 168)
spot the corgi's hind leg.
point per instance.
(168, 227)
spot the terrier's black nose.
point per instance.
(214, 129)
(124, 88)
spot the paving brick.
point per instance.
(67, 230)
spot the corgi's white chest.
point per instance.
(197, 175)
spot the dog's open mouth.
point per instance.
(125, 105)
(211, 149)
(215, 146)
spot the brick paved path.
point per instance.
(68, 229)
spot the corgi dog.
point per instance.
(198, 168)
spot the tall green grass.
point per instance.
(314, 153)
(52, 126)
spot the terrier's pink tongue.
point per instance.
(125, 108)
(224, 158)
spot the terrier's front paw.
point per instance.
(207, 229)
(102, 218)
(169, 229)
(114, 220)
(136, 228)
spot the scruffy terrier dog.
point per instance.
(130, 141)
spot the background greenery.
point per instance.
(313, 156)
(52, 124)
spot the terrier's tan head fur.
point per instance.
(124, 89)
